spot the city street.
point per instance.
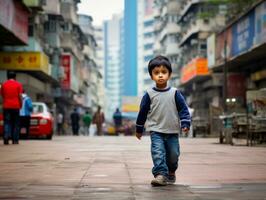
(117, 168)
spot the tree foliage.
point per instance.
(233, 7)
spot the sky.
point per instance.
(100, 9)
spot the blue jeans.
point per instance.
(11, 124)
(165, 153)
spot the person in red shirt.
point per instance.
(11, 92)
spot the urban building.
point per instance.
(54, 59)
(28, 57)
(201, 87)
(238, 53)
(168, 34)
(99, 37)
(91, 74)
(112, 65)
(145, 42)
(130, 48)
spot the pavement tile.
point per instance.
(114, 168)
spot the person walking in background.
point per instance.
(163, 107)
(11, 92)
(117, 118)
(87, 122)
(75, 121)
(98, 119)
(25, 113)
(60, 121)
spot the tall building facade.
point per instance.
(201, 86)
(145, 43)
(167, 33)
(90, 69)
(98, 33)
(130, 48)
(112, 65)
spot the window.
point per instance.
(50, 26)
(148, 35)
(148, 46)
(148, 23)
(148, 58)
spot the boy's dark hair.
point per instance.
(11, 75)
(158, 61)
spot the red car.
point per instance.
(41, 123)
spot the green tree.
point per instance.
(231, 8)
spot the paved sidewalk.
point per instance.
(117, 168)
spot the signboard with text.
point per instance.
(197, 67)
(223, 40)
(25, 61)
(260, 24)
(66, 64)
(243, 34)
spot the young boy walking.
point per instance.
(166, 113)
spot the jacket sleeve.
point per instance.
(183, 111)
(142, 116)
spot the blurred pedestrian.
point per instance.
(60, 122)
(11, 92)
(87, 118)
(163, 107)
(25, 113)
(117, 118)
(75, 121)
(99, 119)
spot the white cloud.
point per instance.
(100, 9)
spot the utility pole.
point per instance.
(223, 133)
(225, 70)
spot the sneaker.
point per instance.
(159, 180)
(171, 179)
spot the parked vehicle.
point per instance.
(41, 123)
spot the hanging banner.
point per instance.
(197, 67)
(260, 24)
(66, 64)
(243, 34)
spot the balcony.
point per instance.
(172, 49)
(199, 26)
(170, 28)
(189, 4)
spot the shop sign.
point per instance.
(223, 40)
(130, 103)
(66, 64)
(26, 61)
(260, 24)
(197, 67)
(243, 34)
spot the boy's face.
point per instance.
(160, 75)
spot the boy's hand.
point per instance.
(139, 135)
(185, 130)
